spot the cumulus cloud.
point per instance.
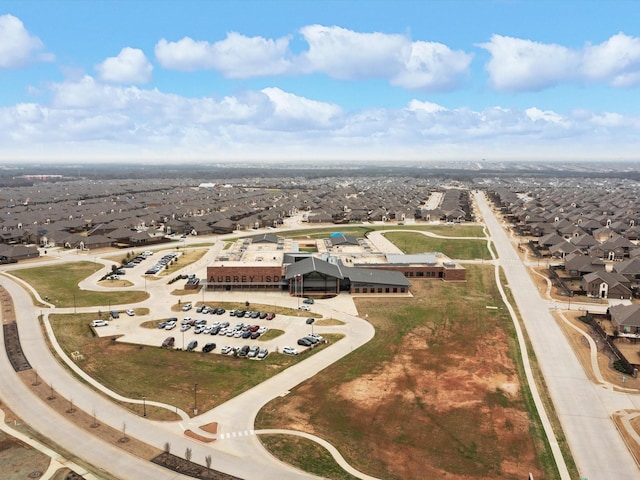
(334, 51)
(518, 64)
(615, 61)
(345, 54)
(237, 56)
(299, 112)
(523, 65)
(85, 116)
(17, 46)
(130, 66)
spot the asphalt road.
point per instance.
(237, 450)
(583, 408)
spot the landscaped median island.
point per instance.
(435, 394)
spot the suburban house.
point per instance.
(602, 284)
(626, 319)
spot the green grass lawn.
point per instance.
(361, 231)
(60, 284)
(456, 249)
(167, 375)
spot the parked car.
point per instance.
(168, 342)
(270, 316)
(304, 307)
(243, 351)
(312, 340)
(254, 335)
(289, 350)
(192, 345)
(253, 351)
(308, 301)
(162, 324)
(99, 323)
(186, 307)
(263, 353)
(130, 312)
(114, 314)
(310, 321)
(208, 347)
(304, 342)
(170, 325)
(185, 327)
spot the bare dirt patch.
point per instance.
(18, 460)
(435, 394)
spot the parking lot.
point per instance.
(223, 329)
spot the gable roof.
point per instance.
(625, 315)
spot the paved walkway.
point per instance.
(584, 409)
(236, 450)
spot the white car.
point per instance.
(99, 323)
(289, 351)
(170, 325)
(306, 308)
(315, 335)
(187, 307)
(226, 349)
(261, 330)
(130, 312)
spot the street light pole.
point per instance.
(195, 404)
(144, 406)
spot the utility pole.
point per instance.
(144, 406)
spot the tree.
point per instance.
(167, 447)
(187, 454)
(207, 460)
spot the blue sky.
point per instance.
(319, 80)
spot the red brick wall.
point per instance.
(242, 274)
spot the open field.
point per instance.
(18, 460)
(458, 249)
(435, 394)
(306, 455)
(60, 284)
(361, 231)
(219, 377)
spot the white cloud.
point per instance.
(615, 61)
(345, 54)
(426, 107)
(349, 55)
(237, 56)
(17, 46)
(518, 64)
(86, 116)
(130, 66)
(296, 112)
(432, 66)
(337, 52)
